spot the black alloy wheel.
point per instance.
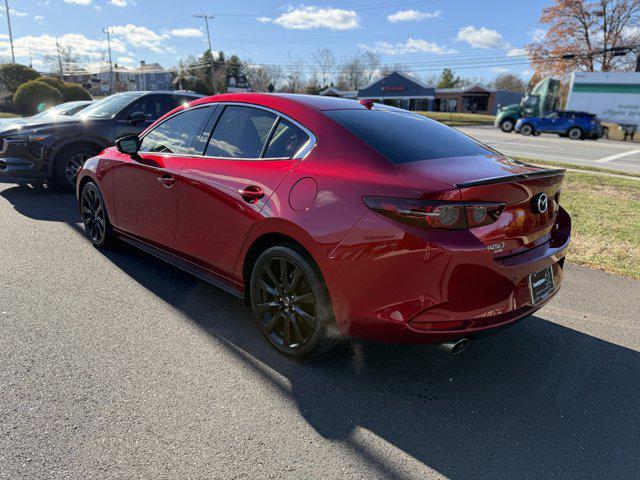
(290, 303)
(94, 216)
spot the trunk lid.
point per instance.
(526, 220)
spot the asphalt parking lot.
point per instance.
(115, 365)
(603, 153)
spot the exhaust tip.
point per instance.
(455, 348)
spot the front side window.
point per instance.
(175, 135)
(241, 132)
(286, 141)
(154, 106)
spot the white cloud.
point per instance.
(186, 32)
(18, 13)
(78, 2)
(4, 36)
(499, 69)
(412, 45)
(306, 18)
(480, 37)
(38, 18)
(412, 16)
(141, 37)
(121, 3)
(264, 19)
(516, 52)
(46, 45)
(125, 60)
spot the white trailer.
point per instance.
(613, 96)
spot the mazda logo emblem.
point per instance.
(540, 203)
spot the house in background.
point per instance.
(152, 76)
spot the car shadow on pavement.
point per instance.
(535, 401)
(40, 203)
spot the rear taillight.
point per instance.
(436, 214)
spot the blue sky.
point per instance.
(475, 38)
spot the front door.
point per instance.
(223, 192)
(151, 106)
(146, 189)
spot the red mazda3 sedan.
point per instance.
(333, 218)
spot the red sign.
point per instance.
(394, 88)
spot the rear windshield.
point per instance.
(407, 137)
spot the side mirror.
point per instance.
(136, 117)
(129, 145)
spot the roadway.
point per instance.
(611, 154)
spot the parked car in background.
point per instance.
(332, 217)
(55, 148)
(67, 109)
(575, 125)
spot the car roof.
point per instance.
(142, 93)
(317, 102)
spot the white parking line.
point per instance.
(617, 156)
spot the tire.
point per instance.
(95, 216)
(292, 310)
(67, 164)
(526, 129)
(574, 133)
(507, 125)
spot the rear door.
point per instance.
(248, 154)
(146, 189)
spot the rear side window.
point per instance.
(241, 132)
(407, 137)
(175, 135)
(286, 141)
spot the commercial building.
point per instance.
(404, 91)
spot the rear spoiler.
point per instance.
(511, 178)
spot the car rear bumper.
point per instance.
(20, 159)
(407, 286)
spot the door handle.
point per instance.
(167, 180)
(252, 193)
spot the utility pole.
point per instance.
(110, 64)
(6, 6)
(206, 22)
(30, 59)
(59, 60)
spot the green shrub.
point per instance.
(71, 92)
(35, 96)
(12, 75)
(53, 82)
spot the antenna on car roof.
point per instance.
(367, 103)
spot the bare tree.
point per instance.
(581, 35)
(510, 82)
(262, 76)
(371, 61)
(294, 75)
(352, 74)
(324, 63)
